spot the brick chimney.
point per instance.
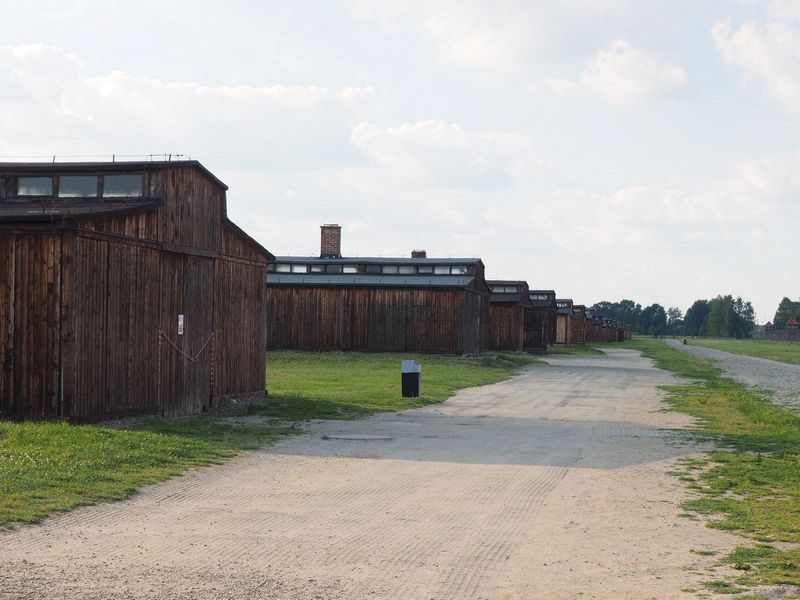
(419, 254)
(330, 241)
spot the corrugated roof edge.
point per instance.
(129, 207)
(377, 260)
(364, 280)
(506, 282)
(105, 166)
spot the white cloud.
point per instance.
(37, 71)
(624, 74)
(785, 10)
(353, 93)
(444, 154)
(469, 36)
(50, 103)
(768, 54)
(465, 33)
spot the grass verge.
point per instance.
(349, 385)
(52, 467)
(786, 352)
(750, 485)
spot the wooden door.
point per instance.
(186, 338)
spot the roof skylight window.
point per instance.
(35, 186)
(122, 186)
(77, 186)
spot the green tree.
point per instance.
(745, 318)
(653, 320)
(696, 321)
(720, 311)
(787, 309)
(730, 317)
(674, 320)
(626, 311)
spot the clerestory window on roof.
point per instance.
(317, 268)
(389, 269)
(299, 269)
(424, 269)
(459, 270)
(283, 268)
(504, 289)
(35, 186)
(122, 186)
(405, 269)
(538, 296)
(350, 269)
(441, 270)
(77, 186)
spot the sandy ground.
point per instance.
(551, 485)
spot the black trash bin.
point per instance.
(412, 376)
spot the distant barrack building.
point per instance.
(416, 304)
(125, 289)
(563, 321)
(540, 320)
(509, 304)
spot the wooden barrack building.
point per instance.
(578, 324)
(125, 289)
(540, 320)
(508, 307)
(563, 321)
(416, 304)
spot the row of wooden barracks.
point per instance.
(416, 304)
(125, 289)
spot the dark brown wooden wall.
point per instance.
(88, 314)
(594, 331)
(240, 328)
(577, 331)
(192, 211)
(187, 288)
(377, 319)
(506, 327)
(30, 291)
(233, 244)
(110, 309)
(539, 328)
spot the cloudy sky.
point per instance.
(609, 149)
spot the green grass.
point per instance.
(574, 349)
(349, 385)
(52, 467)
(786, 352)
(750, 485)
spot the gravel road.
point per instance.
(551, 485)
(779, 380)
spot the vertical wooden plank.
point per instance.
(36, 325)
(69, 351)
(8, 405)
(91, 322)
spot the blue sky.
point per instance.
(607, 149)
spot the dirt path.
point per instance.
(551, 485)
(780, 380)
